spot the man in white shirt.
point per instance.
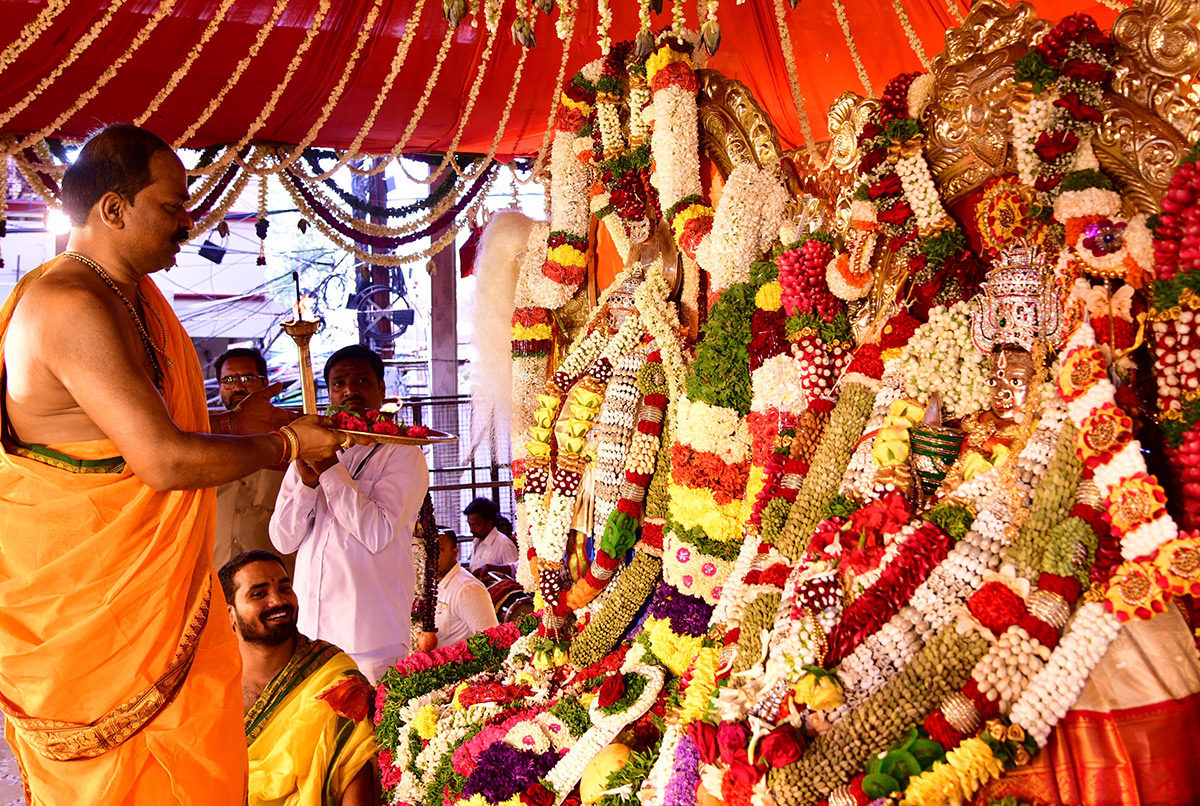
(464, 606)
(244, 505)
(491, 548)
(350, 521)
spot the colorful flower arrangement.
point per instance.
(375, 421)
(1062, 79)
(1176, 301)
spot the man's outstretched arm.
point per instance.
(86, 347)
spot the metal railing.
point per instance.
(455, 477)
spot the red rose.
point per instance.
(704, 736)
(732, 741)
(1047, 182)
(744, 773)
(917, 262)
(1052, 145)
(869, 131)
(384, 427)
(537, 795)
(351, 698)
(888, 186)
(418, 431)
(897, 214)
(1077, 108)
(871, 160)
(352, 423)
(612, 690)
(1085, 71)
(781, 747)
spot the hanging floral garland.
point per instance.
(1062, 80)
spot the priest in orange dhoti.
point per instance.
(118, 681)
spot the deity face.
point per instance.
(1010, 378)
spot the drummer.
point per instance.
(350, 520)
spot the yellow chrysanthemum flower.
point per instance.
(425, 722)
(769, 297)
(567, 255)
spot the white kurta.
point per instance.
(352, 535)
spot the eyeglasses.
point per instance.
(230, 380)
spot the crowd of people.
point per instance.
(119, 496)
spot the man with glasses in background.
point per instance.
(244, 506)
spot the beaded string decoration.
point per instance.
(427, 534)
(563, 474)
(620, 525)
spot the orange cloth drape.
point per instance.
(99, 576)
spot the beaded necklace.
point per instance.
(152, 349)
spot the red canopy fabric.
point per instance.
(750, 51)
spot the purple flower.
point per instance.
(681, 787)
(688, 615)
(503, 771)
(1104, 237)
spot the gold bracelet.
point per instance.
(291, 444)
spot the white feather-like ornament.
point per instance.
(496, 271)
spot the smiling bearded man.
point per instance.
(310, 738)
(116, 684)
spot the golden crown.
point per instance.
(1018, 304)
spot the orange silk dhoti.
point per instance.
(120, 676)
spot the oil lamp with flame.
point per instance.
(302, 327)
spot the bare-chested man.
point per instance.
(110, 656)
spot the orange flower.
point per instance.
(1083, 368)
(1132, 594)
(1135, 501)
(1102, 434)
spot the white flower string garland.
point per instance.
(210, 30)
(33, 30)
(81, 44)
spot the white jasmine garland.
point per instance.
(655, 786)
(941, 357)
(919, 93)
(744, 226)
(1026, 126)
(674, 144)
(778, 383)
(1087, 202)
(715, 429)
(605, 727)
(1056, 687)
(921, 192)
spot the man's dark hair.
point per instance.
(115, 159)
(243, 352)
(448, 536)
(355, 352)
(482, 506)
(229, 570)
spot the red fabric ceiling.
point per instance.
(749, 51)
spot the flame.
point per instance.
(302, 310)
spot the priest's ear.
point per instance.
(232, 618)
(111, 209)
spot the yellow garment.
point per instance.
(302, 753)
(103, 585)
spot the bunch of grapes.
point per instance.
(802, 277)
